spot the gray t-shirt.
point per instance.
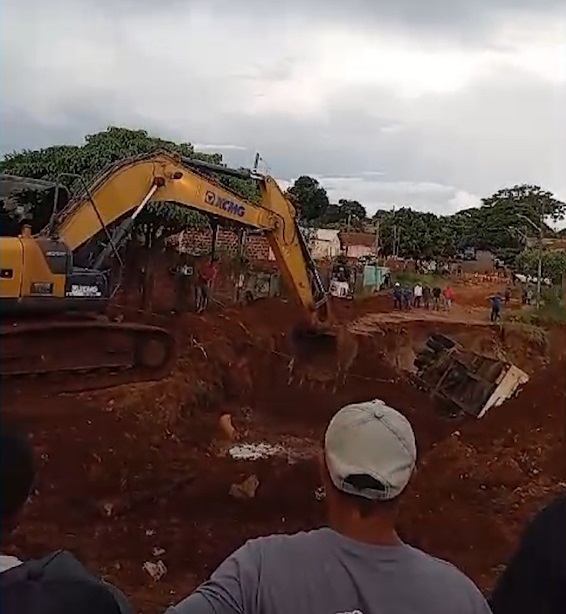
(323, 572)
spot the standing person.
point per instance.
(507, 295)
(436, 293)
(448, 297)
(356, 564)
(426, 297)
(397, 296)
(495, 308)
(529, 295)
(534, 580)
(184, 276)
(407, 297)
(418, 294)
(206, 274)
(57, 583)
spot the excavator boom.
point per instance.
(164, 177)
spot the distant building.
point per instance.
(324, 243)
(358, 244)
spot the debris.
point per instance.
(138, 500)
(227, 427)
(155, 570)
(158, 551)
(254, 451)
(246, 489)
(108, 509)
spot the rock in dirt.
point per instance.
(155, 570)
(246, 489)
(227, 428)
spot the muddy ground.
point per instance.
(140, 473)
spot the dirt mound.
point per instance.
(482, 483)
(146, 467)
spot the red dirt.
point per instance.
(111, 448)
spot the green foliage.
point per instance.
(105, 148)
(553, 264)
(347, 213)
(410, 278)
(501, 225)
(309, 197)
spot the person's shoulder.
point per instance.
(277, 549)
(284, 542)
(436, 570)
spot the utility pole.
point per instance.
(376, 244)
(394, 234)
(540, 230)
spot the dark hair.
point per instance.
(17, 469)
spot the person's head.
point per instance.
(18, 473)
(369, 457)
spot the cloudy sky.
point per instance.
(431, 104)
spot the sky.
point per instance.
(432, 105)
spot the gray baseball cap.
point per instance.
(370, 439)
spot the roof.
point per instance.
(357, 238)
(326, 234)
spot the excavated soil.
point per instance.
(141, 473)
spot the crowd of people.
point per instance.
(356, 564)
(406, 296)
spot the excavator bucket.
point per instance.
(323, 352)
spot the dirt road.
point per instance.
(140, 473)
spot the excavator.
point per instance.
(54, 309)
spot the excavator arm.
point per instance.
(165, 177)
(40, 278)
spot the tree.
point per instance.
(352, 211)
(310, 198)
(527, 200)
(105, 148)
(347, 213)
(159, 220)
(499, 225)
(553, 264)
(414, 234)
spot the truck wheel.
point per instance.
(434, 345)
(424, 357)
(443, 340)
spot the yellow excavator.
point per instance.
(49, 303)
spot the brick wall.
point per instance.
(198, 242)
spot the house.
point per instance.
(324, 243)
(358, 244)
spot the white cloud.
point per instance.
(423, 196)
(215, 147)
(387, 107)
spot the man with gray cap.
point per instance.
(357, 564)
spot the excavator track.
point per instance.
(83, 354)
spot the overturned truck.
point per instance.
(464, 382)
